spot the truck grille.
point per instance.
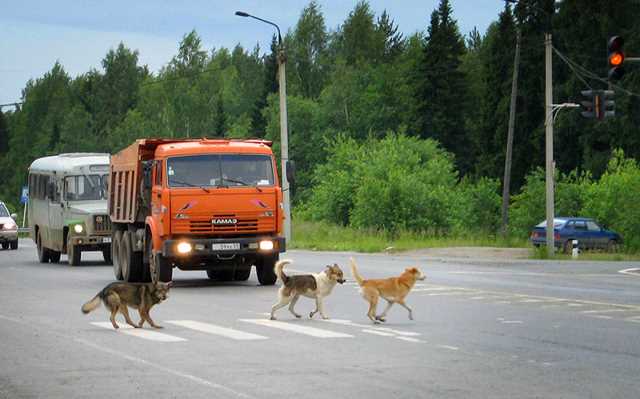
(242, 226)
(102, 223)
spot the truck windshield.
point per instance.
(3, 211)
(227, 170)
(85, 187)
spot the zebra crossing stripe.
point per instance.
(216, 330)
(140, 332)
(297, 328)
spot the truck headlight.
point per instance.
(184, 248)
(9, 226)
(78, 228)
(266, 245)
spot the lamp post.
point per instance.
(284, 141)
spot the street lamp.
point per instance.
(284, 141)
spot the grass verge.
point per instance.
(319, 236)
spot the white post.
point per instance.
(549, 145)
(284, 143)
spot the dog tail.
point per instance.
(355, 273)
(92, 304)
(279, 269)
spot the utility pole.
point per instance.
(284, 141)
(284, 134)
(506, 184)
(549, 145)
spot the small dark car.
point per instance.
(588, 233)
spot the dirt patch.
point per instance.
(473, 253)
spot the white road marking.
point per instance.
(376, 332)
(385, 329)
(635, 271)
(603, 311)
(600, 316)
(477, 297)
(297, 328)
(453, 348)
(575, 304)
(140, 332)
(635, 319)
(409, 339)
(216, 330)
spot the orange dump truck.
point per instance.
(195, 204)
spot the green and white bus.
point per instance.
(67, 210)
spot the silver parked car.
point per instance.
(8, 228)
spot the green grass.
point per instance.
(318, 236)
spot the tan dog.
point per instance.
(318, 286)
(393, 290)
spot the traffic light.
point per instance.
(587, 105)
(615, 57)
(598, 105)
(607, 104)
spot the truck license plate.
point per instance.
(106, 239)
(225, 246)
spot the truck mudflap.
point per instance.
(205, 247)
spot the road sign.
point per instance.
(24, 197)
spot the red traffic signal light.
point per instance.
(615, 57)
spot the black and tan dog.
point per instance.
(392, 289)
(119, 295)
(318, 286)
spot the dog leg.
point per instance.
(125, 313)
(320, 307)
(404, 305)
(114, 311)
(383, 316)
(292, 304)
(154, 325)
(373, 304)
(282, 302)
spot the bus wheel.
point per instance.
(54, 256)
(43, 253)
(73, 253)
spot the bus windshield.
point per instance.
(85, 187)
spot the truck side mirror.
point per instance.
(14, 216)
(291, 171)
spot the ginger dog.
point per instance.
(393, 290)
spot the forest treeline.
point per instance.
(355, 93)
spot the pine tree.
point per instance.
(442, 88)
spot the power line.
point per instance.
(589, 74)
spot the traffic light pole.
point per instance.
(549, 145)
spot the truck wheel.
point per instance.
(130, 261)
(73, 254)
(116, 237)
(5, 245)
(161, 268)
(242, 274)
(14, 244)
(266, 274)
(43, 253)
(54, 256)
(612, 246)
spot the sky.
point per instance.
(78, 34)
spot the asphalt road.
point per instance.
(482, 329)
